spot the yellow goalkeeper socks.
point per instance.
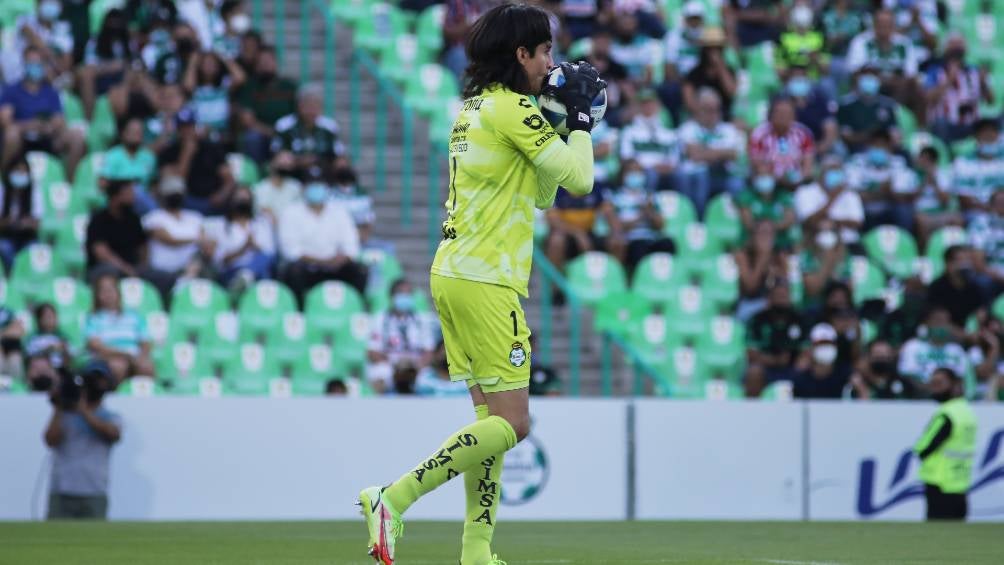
(483, 488)
(460, 452)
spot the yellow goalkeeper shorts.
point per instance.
(485, 332)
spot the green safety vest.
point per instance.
(950, 467)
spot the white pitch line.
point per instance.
(791, 562)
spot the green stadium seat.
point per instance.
(69, 242)
(97, 10)
(594, 275)
(10, 385)
(779, 391)
(73, 111)
(33, 271)
(401, 57)
(619, 312)
(384, 270)
(383, 22)
(429, 28)
(893, 248)
(219, 339)
(688, 313)
(181, 366)
(330, 305)
(244, 169)
(998, 308)
(194, 304)
(62, 203)
(651, 339)
(685, 373)
(721, 389)
(45, 169)
(316, 364)
(697, 250)
(677, 212)
(140, 295)
(158, 324)
(140, 386)
(85, 181)
(720, 281)
(428, 90)
(103, 129)
(867, 280)
(939, 242)
(262, 307)
(722, 220)
(656, 278)
(72, 300)
(906, 121)
(289, 338)
(722, 347)
(10, 10)
(251, 371)
(351, 11)
(352, 342)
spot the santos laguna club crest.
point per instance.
(524, 472)
(518, 355)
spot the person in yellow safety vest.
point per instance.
(946, 449)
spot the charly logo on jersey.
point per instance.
(533, 121)
(990, 470)
(524, 472)
(518, 355)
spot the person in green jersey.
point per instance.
(505, 160)
(946, 449)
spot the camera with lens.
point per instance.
(92, 382)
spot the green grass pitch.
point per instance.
(526, 543)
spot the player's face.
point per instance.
(537, 65)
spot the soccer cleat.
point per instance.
(383, 522)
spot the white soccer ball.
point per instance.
(554, 111)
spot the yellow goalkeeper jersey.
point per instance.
(505, 160)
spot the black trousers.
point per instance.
(945, 506)
(301, 277)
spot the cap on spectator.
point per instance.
(172, 184)
(693, 9)
(184, 117)
(823, 333)
(713, 37)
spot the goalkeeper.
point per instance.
(505, 159)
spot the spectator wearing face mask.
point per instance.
(45, 31)
(434, 380)
(345, 189)
(977, 176)
(236, 22)
(886, 184)
(877, 378)
(933, 347)
(840, 24)
(21, 209)
(824, 378)
(831, 198)
(175, 233)
(816, 109)
(958, 289)
(639, 223)
(650, 143)
(130, 161)
(864, 111)
(823, 259)
(402, 341)
(803, 46)
(712, 149)
(280, 189)
(766, 201)
(244, 243)
(319, 242)
(894, 58)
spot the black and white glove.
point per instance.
(582, 84)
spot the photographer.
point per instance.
(81, 433)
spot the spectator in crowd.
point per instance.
(864, 111)
(116, 241)
(81, 436)
(251, 46)
(785, 144)
(460, 14)
(936, 205)
(616, 75)
(242, 243)
(831, 198)
(876, 376)
(816, 109)
(130, 161)
(986, 235)
(236, 23)
(319, 242)
(631, 48)
(774, 340)
(171, 65)
(901, 325)
(682, 49)
(279, 189)
(434, 379)
(933, 347)
(917, 20)
(21, 209)
(175, 234)
(336, 387)
(31, 117)
(46, 350)
(711, 150)
(976, 177)
(711, 72)
(202, 162)
(160, 129)
(158, 35)
(11, 334)
(765, 201)
(824, 377)
(210, 79)
(638, 227)
(957, 289)
(311, 137)
(954, 92)
(648, 141)
(261, 102)
(572, 221)
(893, 56)
(823, 259)
(841, 24)
(204, 18)
(758, 262)
(801, 45)
(46, 33)
(402, 342)
(116, 336)
(886, 184)
(751, 22)
(346, 191)
(106, 60)
(985, 355)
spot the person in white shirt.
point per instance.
(711, 150)
(243, 243)
(648, 141)
(280, 189)
(895, 57)
(44, 31)
(831, 198)
(175, 233)
(318, 241)
(401, 342)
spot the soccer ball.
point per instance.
(554, 111)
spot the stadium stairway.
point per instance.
(411, 241)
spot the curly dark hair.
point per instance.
(492, 43)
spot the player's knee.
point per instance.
(520, 425)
